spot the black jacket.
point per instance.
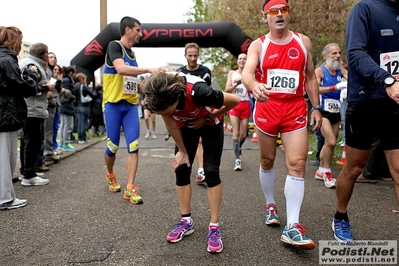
(13, 88)
(85, 92)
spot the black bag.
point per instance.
(13, 113)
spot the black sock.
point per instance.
(187, 218)
(341, 216)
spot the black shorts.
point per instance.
(372, 119)
(332, 117)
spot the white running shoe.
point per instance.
(154, 136)
(318, 175)
(200, 177)
(329, 180)
(147, 135)
(238, 165)
(35, 181)
(16, 203)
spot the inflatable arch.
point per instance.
(208, 34)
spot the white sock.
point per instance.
(200, 170)
(188, 219)
(268, 182)
(214, 224)
(294, 191)
(328, 170)
(323, 170)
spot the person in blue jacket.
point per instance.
(372, 47)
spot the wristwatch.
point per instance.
(208, 119)
(316, 107)
(389, 81)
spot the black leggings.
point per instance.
(212, 142)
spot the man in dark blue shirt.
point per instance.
(372, 43)
(191, 53)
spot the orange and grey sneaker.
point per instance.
(131, 194)
(113, 185)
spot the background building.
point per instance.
(25, 50)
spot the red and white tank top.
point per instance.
(240, 90)
(192, 111)
(283, 67)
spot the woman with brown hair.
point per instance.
(191, 109)
(81, 91)
(14, 86)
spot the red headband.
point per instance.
(272, 3)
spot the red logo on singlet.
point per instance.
(293, 53)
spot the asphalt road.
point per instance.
(75, 220)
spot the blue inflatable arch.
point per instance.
(209, 34)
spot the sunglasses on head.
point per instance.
(274, 11)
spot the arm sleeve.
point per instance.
(16, 84)
(114, 51)
(358, 37)
(58, 86)
(86, 92)
(205, 95)
(208, 78)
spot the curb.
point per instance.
(65, 154)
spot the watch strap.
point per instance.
(316, 107)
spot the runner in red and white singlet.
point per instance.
(278, 69)
(282, 67)
(239, 115)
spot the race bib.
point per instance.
(130, 85)
(390, 63)
(331, 105)
(283, 80)
(240, 91)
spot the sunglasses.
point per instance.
(274, 11)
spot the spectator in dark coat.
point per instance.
(13, 110)
(96, 112)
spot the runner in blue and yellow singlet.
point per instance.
(120, 101)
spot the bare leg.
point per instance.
(215, 199)
(296, 152)
(146, 119)
(153, 116)
(184, 195)
(355, 161)
(243, 128)
(200, 154)
(393, 162)
(330, 133)
(235, 123)
(109, 162)
(131, 165)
